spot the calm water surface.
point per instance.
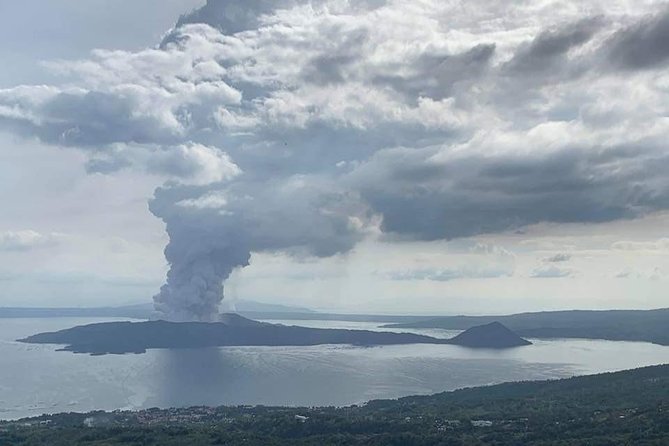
(35, 379)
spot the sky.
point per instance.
(377, 156)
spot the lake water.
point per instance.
(35, 379)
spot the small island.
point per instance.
(235, 330)
(492, 335)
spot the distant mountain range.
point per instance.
(235, 330)
(617, 325)
(247, 308)
(140, 311)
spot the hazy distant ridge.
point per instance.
(617, 325)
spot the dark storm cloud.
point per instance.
(233, 16)
(230, 16)
(330, 67)
(85, 119)
(641, 46)
(547, 53)
(468, 195)
(435, 76)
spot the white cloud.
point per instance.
(26, 240)
(550, 272)
(194, 164)
(213, 200)
(654, 273)
(445, 275)
(661, 245)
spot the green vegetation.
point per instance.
(630, 407)
(615, 325)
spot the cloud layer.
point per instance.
(306, 127)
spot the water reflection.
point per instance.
(194, 376)
(325, 375)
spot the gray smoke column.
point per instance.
(199, 264)
(213, 230)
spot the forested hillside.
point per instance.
(630, 407)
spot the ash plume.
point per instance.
(214, 229)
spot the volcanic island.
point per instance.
(234, 330)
